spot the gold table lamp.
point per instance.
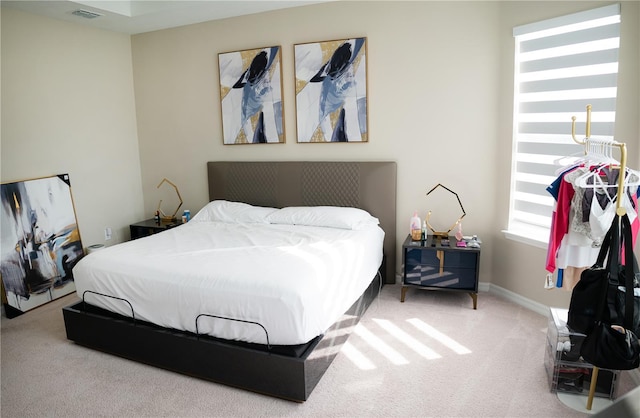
(444, 234)
(163, 216)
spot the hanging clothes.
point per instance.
(585, 204)
(562, 192)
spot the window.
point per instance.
(561, 66)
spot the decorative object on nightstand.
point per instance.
(414, 228)
(444, 234)
(165, 217)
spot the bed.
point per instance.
(267, 329)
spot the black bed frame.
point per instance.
(273, 370)
(252, 368)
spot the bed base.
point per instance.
(251, 367)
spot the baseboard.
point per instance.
(483, 286)
(519, 299)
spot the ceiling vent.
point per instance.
(86, 14)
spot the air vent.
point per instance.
(86, 14)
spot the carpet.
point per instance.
(431, 356)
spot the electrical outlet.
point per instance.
(107, 233)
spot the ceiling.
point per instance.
(139, 16)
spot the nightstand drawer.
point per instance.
(449, 277)
(453, 259)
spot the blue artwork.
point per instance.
(251, 95)
(331, 91)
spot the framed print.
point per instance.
(40, 242)
(331, 91)
(251, 96)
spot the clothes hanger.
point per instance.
(570, 161)
(631, 178)
(596, 151)
(599, 154)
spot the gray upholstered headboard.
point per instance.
(367, 185)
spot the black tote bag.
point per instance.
(611, 343)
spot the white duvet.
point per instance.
(295, 281)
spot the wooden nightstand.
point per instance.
(150, 227)
(430, 265)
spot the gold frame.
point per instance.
(35, 232)
(240, 78)
(310, 82)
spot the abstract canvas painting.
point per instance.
(251, 96)
(40, 242)
(331, 91)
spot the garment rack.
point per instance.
(620, 210)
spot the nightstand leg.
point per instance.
(402, 293)
(474, 296)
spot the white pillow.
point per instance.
(232, 212)
(326, 216)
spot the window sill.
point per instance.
(529, 235)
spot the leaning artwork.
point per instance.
(40, 242)
(251, 96)
(331, 91)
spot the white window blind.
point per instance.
(561, 66)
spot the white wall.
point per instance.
(433, 80)
(68, 107)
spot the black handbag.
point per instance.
(612, 344)
(611, 347)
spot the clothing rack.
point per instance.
(620, 210)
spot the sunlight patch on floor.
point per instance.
(439, 336)
(382, 347)
(359, 359)
(374, 340)
(407, 339)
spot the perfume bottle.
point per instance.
(415, 230)
(459, 235)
